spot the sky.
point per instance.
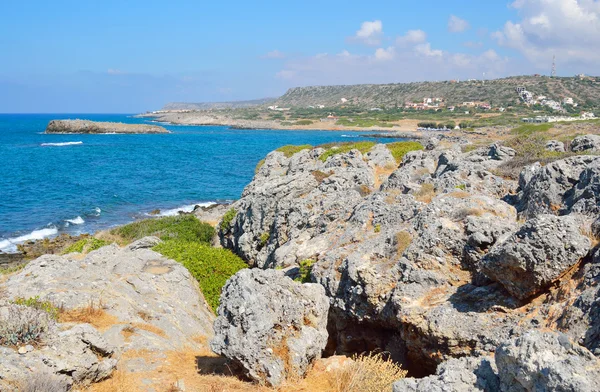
(112, 56)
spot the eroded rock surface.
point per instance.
(141, 301)
(586, 143)
(271, 326)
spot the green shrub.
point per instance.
(290, 150)
(259, 165)
(264, 238)
(211, 267)
(227, 219)
(85, 245)
(304, 122)
(528, 129)
(34, 302)
(340, 148)
(181, 227)
(462, 187)
(10, 270)
(377, 228)
(305, 270)
(399, 149)
(23, 325)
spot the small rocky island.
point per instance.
(85, 126)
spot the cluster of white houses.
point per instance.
(529, 99)
(551, 119)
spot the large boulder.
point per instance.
(270, 326)
(586, 143)
(140, 300)
(292, 200)
(560, 187)
(541, 361)
(467, 374)
(536, 255)
(555, 146)
(70, 354)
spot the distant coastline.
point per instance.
(95, 127)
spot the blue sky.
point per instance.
(107, 56)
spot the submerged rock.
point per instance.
(270, 326)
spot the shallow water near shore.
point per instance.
(84, 183)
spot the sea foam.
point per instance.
(76, 221)
(60, 144)
(186, 209)
(10, 245)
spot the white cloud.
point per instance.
(385, 54)
(425, 50)
(456, 24)
(569, 29)
(411, 37)
(285, 74)
(274, 54)
(369, 33)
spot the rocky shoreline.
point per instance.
(94, 127)
(470, 280)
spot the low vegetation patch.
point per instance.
(23, 325)
(528, 129)
(85, 245)
(93, 314)
(259, 165)
(210, 266)
(320, 176)
(399, 149)
(36, 303)
(181, 227)
(341, 148)
(264, 238)
(12, 269)
(305, 270)
(227, 219)
(290, 150)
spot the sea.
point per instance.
(52, 184)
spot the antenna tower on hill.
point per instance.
(554, 66)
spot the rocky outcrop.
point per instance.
(555, 146)
(561, 187)
(442, 259)
(139, 301)
(270, 326)
(586, 143)
(465, 374)
(540, 361)
(86, 126)
(536, 361)
(536, 255)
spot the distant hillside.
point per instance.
(216, 105)
(501, 92)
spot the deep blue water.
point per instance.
(113, 179)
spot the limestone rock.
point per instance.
(85, 126)
(555, 145)
(586, 143)
(271, 326)
(539, 361)
(467, 374)
(536, 255)
(560, 187)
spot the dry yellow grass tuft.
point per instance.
(150, 328)
(426, 193)
(403, 240)
(93, 314)
(119, 381)
(368, 373)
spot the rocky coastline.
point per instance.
(94, 127)
(468, 279)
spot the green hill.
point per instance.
(500, 92)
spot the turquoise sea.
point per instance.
(83, 183)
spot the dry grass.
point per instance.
(403, 240)
(150, 328)
(93, 314)
(368, 373)
(463, 213)
(426, 193)
(320, 176)
(119, 381)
